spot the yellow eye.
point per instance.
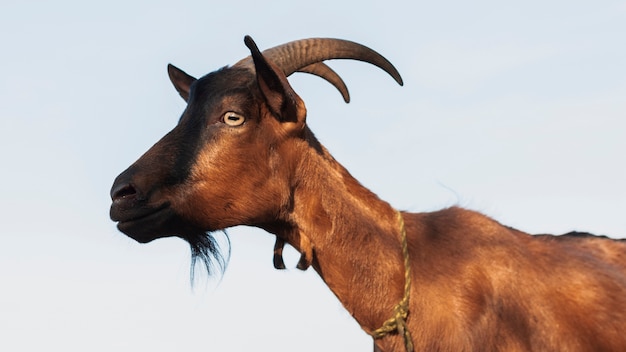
(233, 119)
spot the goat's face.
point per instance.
(220, 166)
(229, 159)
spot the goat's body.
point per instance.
(242, 154)
(476, 285)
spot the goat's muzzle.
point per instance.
(137, 217)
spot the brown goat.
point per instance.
(242, 154)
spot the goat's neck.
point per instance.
(355, 237)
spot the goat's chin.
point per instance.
(164, 222)
(147, 225)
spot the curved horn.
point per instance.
(299, 55)
(322, 70)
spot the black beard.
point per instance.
(206, 250)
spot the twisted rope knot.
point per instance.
(400, 312)
(396, 322)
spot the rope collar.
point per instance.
(400, 312)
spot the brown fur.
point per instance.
(476, 285)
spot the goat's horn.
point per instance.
(299, 55)
(322, 70)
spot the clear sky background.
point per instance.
(516, 109)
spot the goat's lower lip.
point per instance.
(145, 227)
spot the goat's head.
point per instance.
(228, 160)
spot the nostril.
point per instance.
(123, 191)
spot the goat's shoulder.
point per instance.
(467, 236)
(459, 224)
(458, 230)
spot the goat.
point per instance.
(242, 154)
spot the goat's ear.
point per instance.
(181, 80)
(282, 100)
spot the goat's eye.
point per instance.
(233, 119)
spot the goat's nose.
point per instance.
(123, 191)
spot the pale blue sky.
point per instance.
(515, 109)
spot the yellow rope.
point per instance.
(400, 312)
